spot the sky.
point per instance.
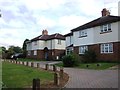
(25, 19)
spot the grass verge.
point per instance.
(18, 76)
(27, 59)
(101, 66)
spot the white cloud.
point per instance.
(46, 22)
(23, 19)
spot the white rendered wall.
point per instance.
(78, 41)
(106, 37)
(59, 46)
(68, 43)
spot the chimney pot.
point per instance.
(105, 12)
(44, 32)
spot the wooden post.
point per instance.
(61, 73)
(54, 68)
(11, 61)
(46, 66)
(56, 79)
(36, 84)
(32, 64)
(18, 62)
(27, 63)
(14, 61)
(23, 63)
(38, 65)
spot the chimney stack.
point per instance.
(105, 12)
(44, 32)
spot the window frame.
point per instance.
(106, 48)
(83, 33)
(82, 49)
(29, 53)
(105, 28)
(35, 52)
(35, 43)
(59, 41)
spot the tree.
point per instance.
(25, 47)
(12, 50)
(2, 51)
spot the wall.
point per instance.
(50, 44)
(68, 43)
(106, 37)
(83, 40)
(59, 46)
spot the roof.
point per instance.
(69, 34)
(98, 22)
(49, 37)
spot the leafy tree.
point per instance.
(25, 47)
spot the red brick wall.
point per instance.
(115, 56)
(41, 54)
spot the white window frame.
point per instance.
(59, 41)
(82, 33)
(35, 42)
(29, 53)
(82, 49)
(69, 50)
(35, 52)
(105, 28)
(107, 48)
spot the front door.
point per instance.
(46, 55)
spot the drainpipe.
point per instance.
(51, 48)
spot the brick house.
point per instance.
(50, 47)
(101, 35)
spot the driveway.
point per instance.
(82, 78)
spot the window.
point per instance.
(69, 50)
(35, 52)
(82, 49)
(29, 53)
(107, 48)
(105, 28)
(35, 43)
(70, 39)
(59, 41)
(82, 33)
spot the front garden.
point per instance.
(87, 61)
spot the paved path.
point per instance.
(81, 78)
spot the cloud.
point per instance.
(23, 19)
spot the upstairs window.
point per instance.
(35, 43)
(105, 28)
(59, 41)
(82, 49)
(107, 48)
(82, 33)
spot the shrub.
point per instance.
(70, 60)
(89, 57)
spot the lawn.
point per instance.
(19, 76)
(27, 59)
(94, 66)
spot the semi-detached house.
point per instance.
(49, 47)
(101, 35)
